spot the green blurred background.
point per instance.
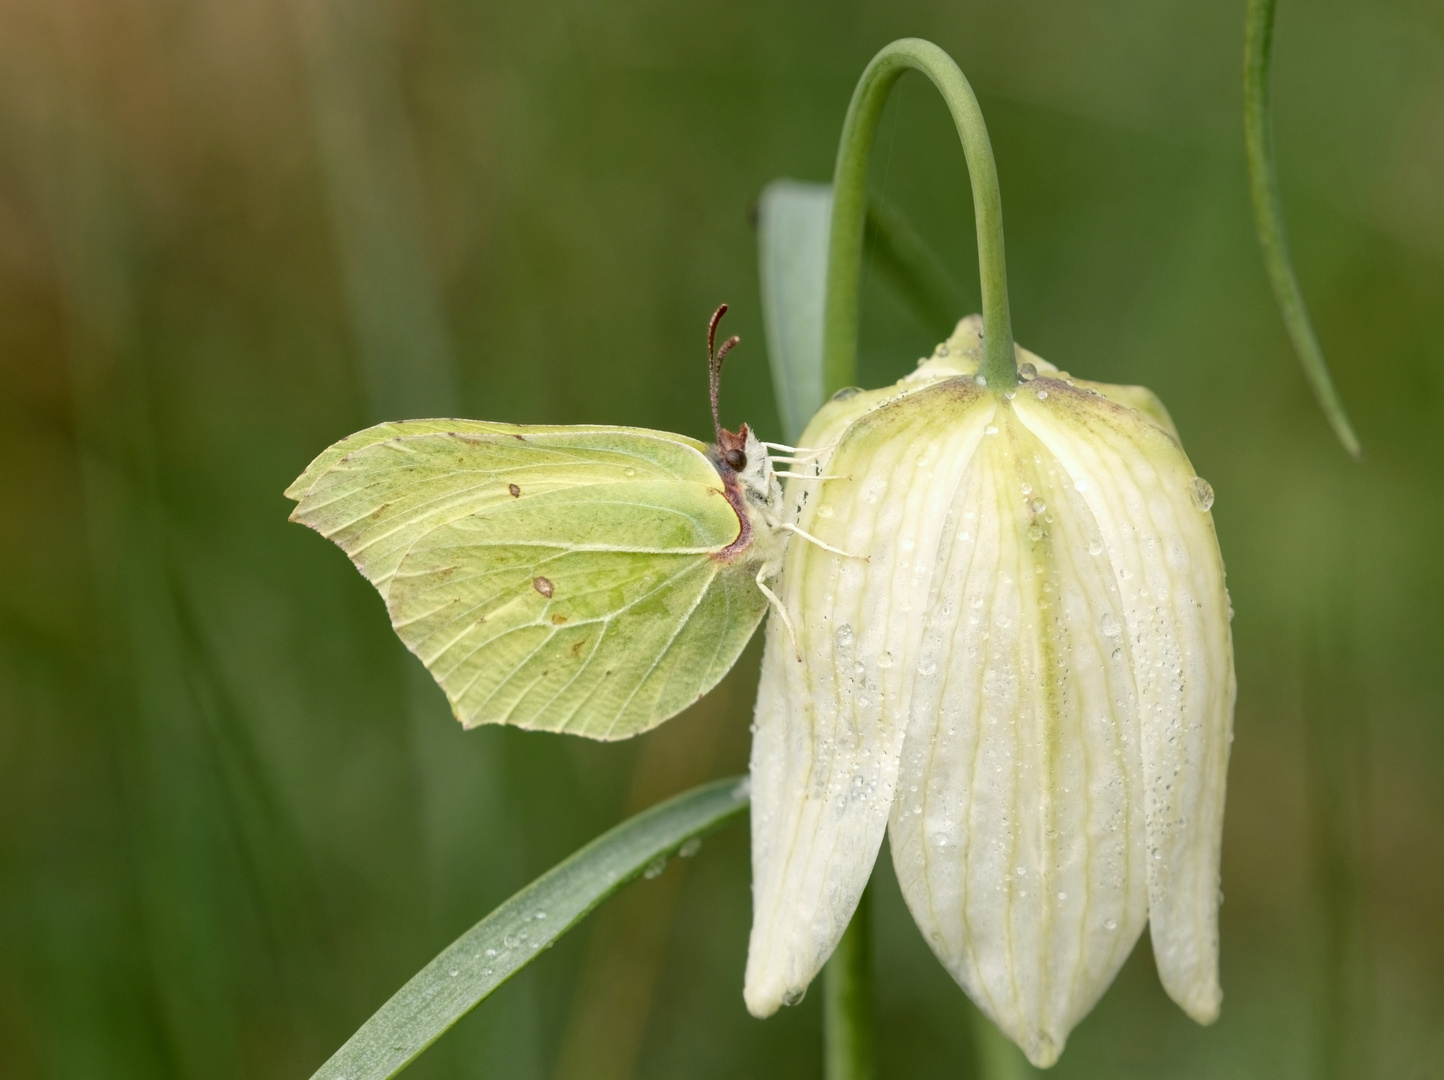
(234, 813)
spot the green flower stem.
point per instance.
(1269, 219)
(847, 1009)
(849, 208)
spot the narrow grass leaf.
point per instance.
(524, 926)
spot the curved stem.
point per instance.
(847, 1009)
(849, 206)
(1269, 219)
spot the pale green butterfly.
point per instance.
(593, 580)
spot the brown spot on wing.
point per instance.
(515, 491)
(557, 620)
(543, 586)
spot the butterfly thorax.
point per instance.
(755, 494)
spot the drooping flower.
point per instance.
(1029, 682)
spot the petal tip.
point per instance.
(1203, 1008)
(1042, 1051)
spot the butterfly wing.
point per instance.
(558, 578)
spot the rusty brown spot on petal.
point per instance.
(543, 586)
(515, 491)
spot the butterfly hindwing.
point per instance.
(555, 578)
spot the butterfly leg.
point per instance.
(776, 602)
(823, 544)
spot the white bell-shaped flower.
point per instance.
(1028, 679)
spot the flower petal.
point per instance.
(1017, 832)
(829, 728)
(1152, 512)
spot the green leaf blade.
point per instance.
(793, 219)
(513, 935)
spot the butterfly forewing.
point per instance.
(555, 578)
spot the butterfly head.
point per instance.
(739, 454)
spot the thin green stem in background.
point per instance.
(849, 1052)
(849, 208)
(920, 278)
(1269, 219)
(513, 935)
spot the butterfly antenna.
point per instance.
(715, 356)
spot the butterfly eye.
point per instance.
(736, 459)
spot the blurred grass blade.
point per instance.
(1269, 218)
(792, 222)
(913, 268)
(521, 928)
(793, 218)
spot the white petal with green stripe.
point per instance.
(1031, 676)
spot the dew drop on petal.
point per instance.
(690, 848)
(1027, 372)
(654, 868)
(1108, 625)
(795, 995)
(1042, 395)
(991, 429)
(1202, 493)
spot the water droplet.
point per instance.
(943, 349)
(690, 848)
(1037, 506)
(844, 636)
(1095, 548)
(1042, 395)
(453, 973)
(1027, 489)
(1027, 372)
(540, 915)
(1108, 624)
(629, 472)
(1202, 493)
(885, 660)
(795, 995)
(490, 952)
(1081, 484)
(1062, 896)
(991, 429)
(824, 511)
(655, 867)
(980, 379)
(1035, 533)
(1110, 924)
(846, 392)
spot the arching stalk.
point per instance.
(849, 208)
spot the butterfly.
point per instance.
(587, 579)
